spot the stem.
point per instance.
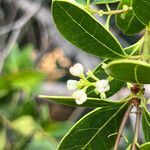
(108, 22)
(146, 46)
(137, 124)
(88, 3)
(124, 120)
(110, 12)
(108, 17)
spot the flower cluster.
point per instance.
(80, 87)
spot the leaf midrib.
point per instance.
(88, 32)
(103, 126)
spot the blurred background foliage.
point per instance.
(24, 122)
(34, 59)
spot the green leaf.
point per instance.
(26, 80)
(92, 131)
(41, 144)
(145, 146)
(2, 139)
(146, 124)
(59, 129)
(18, 59)
(141, 10)
(25, 125)
(129, 147)
(98, 1)
(83, 30)
(128, 22)
(135, 48)
(70, 101)
(134, 71)
(115, 85)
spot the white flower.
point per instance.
(72, 84)
(102, 86)
(80, 96)
(77, 69)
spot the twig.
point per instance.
(124, 120)
(137, 124)
(14, 35)
(110, 12)
(21, 22)
(8, 47)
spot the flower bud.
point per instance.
(80, 96)
(72, 84)
(102, 86)
(77, 69)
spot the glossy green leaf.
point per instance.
(145, 146)
(83, 30)
(70, 101)
(92, 131)
(98, 1)
(128, 22)
(133, 71)
(141, 10)
(115, 85)
(146, 124)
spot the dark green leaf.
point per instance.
(84, 31)
(133, 71)
(92, 131)
(145, 146)
(146, 124)
(141, 10)
(97, 1)
(128, 22)
(70, 101)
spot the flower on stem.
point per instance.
(77, 69)
(102, 86)
(72, 84)
(80, 96)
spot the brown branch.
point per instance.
(124, 120)
(137, 124)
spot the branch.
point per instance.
(137, 124)
(22, 21)
(124, 120)
(8, 47)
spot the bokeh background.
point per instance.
(35, 59)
